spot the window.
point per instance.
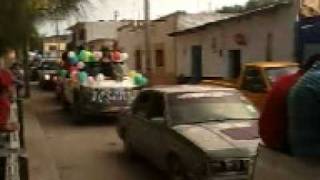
(82, 35)
(157, 106)
(138, 60)
(53, 48)
(141, 103)
(253, 81)
(159, 58)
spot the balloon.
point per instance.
(73, 60)
(124, 56)
(140, 80)
(132, 74)
(115, 56)
(97, 55)
(81, 65)
(83, 77)
(82, 56)
(100, 77)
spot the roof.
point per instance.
(187, 21)
(268, 8)
(272, 64)
(188, 88)
(184, 20)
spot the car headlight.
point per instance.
(46, 77)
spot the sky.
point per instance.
(133, 9)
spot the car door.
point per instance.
(135, 132)
(155, 124)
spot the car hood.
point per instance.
(220, 139)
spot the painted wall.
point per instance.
(255, 28)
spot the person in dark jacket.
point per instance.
(304, 114)
(273, 123)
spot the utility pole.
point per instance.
(147, 36)
(116, 15)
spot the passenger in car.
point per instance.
(304, 114)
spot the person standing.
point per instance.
(6, 85)
(273, 123)
(304, 114)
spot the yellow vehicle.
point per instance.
(257, 78)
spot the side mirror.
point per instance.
(158, 120)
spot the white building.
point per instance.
(100, 32)
(54, 46)
(220, 48)
(164, 57)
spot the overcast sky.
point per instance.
(133, 9)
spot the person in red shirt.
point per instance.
(273, 122)
(6, 83)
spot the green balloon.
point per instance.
(140, 80)
(63, 73)
(82, 56)
(83, 77)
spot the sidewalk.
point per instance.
(41, 163)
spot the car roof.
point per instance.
(267, 64)
(168, 89)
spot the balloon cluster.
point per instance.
(138, 79)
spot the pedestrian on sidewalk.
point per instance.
(6, 92)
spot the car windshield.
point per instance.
(274, 73)
(189, 108)
(49, 66)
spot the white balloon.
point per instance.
(81, 65)
(124, 56)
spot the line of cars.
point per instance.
(194, 132)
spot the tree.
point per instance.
(17, 18)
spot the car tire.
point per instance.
(176, 169)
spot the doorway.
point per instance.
(138, 65)
(196, 63)
(234, 63)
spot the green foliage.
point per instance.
(17, 18)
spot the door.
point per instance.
(234, 63)
(138, 65)
(196, 63)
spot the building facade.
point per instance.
(220, 48)
(54, 46)
(95, 34)
(163, 47)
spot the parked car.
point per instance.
(47, 73)
(257, 78)
(193, 132)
